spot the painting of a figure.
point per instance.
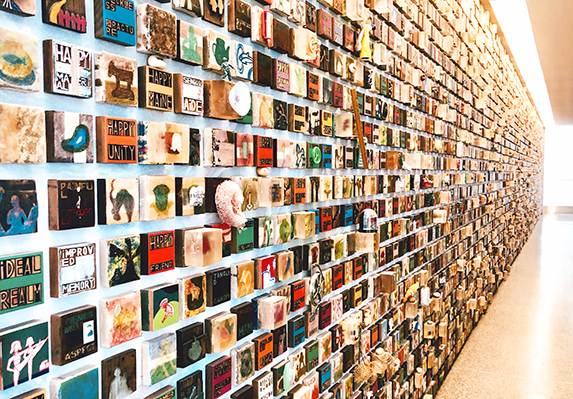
(18, 207)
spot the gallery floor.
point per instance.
(523, 346)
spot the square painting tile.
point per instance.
(156, 31)
(163, 143)
(22, 133)
(72, 269)
(70, 137)
(120, 260)
(115, 79)
(69, 15)
(118, 375)
(118, 201)
(71, 204)
(84, 380)
(115, 21)
(190, 41)
(120, 319)
(67, 69)
(157, 197)
(74, 334)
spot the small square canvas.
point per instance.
(218, 375)
(18, 207)
(242, 279)
(191, 344)
(116, 140)
(243, 359)
(157, 252)
(245, 150)
(190, 40)
(191, 386)
(187, 94)
(198, 247)
(115, 22)
(120, 319)
(263, 115)
(70, 15)
(25, 8)
(118, 375)
(190, 198)
(157, 197)
(159, 356)
(242, 59)
(218, 147)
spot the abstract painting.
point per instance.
(159, 357)
(120, 319)
(18, 207)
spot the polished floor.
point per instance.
(523, 347)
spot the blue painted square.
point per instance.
(116, 22)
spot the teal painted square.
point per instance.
(85, 386)
(118, 22)
(22, 283)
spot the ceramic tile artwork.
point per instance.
(71, 204)
(118, 201)
(216, 49)
(285, 266)
(243, 360)
(190, 198)
(67, 69)
(218, 147)
(198, 246)
(74, 334)
(120, 319)
(158, 357)
(242, 60)
(118, 375)
(22, 132)
(120, 260)
(84, 382)
(69, 137)
(190, 41)
(214, 12)
(159, 306)
(115, 21)
(156, 31)
(163, 143)
(72, 269)
(263, 111)
(115, 79)
(25, 8)
(21, 279)
(157, 197)
(70, 15)
(188, 95)
(25, 344)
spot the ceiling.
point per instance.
(552, 23)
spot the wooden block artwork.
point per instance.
(191, 385)
(34, 335)
(156, 31)
(155, 89)
(188, 94)
(190, 40)
(72, 269)
(242, 60)
(243, 359)
(219, 282)
(74, 334)
(22, 132)
(21, 73)
(118, 375)
(120, 260)
(159, 357)
(69, 137)
(157, 197)
(263, 115)
(242, 279)
(216, 50)
(214, 12)
(118, 201)
(191, 344)
(67, 69)
(218, 147)
(116, 140)
(120, 319)
(198, 247)
(190, 195)
(163, 143)
(115, 79)
(216, 100)
(159, 306)
(25, 8)
(239, 18)
(221, 331)
(21, 280)
(70, 15)
(192, 295)
(218, 377)
(37, 393)
(18, 207)
(115, 21)
(190, 7)
(71, 204)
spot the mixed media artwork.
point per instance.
(118, 375)
(72, 269)
(118, 201)
(120, 260)
(120, 319)
(18, 207)
(69, 137)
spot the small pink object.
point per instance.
(229, 200)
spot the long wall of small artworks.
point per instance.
(186, 212)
